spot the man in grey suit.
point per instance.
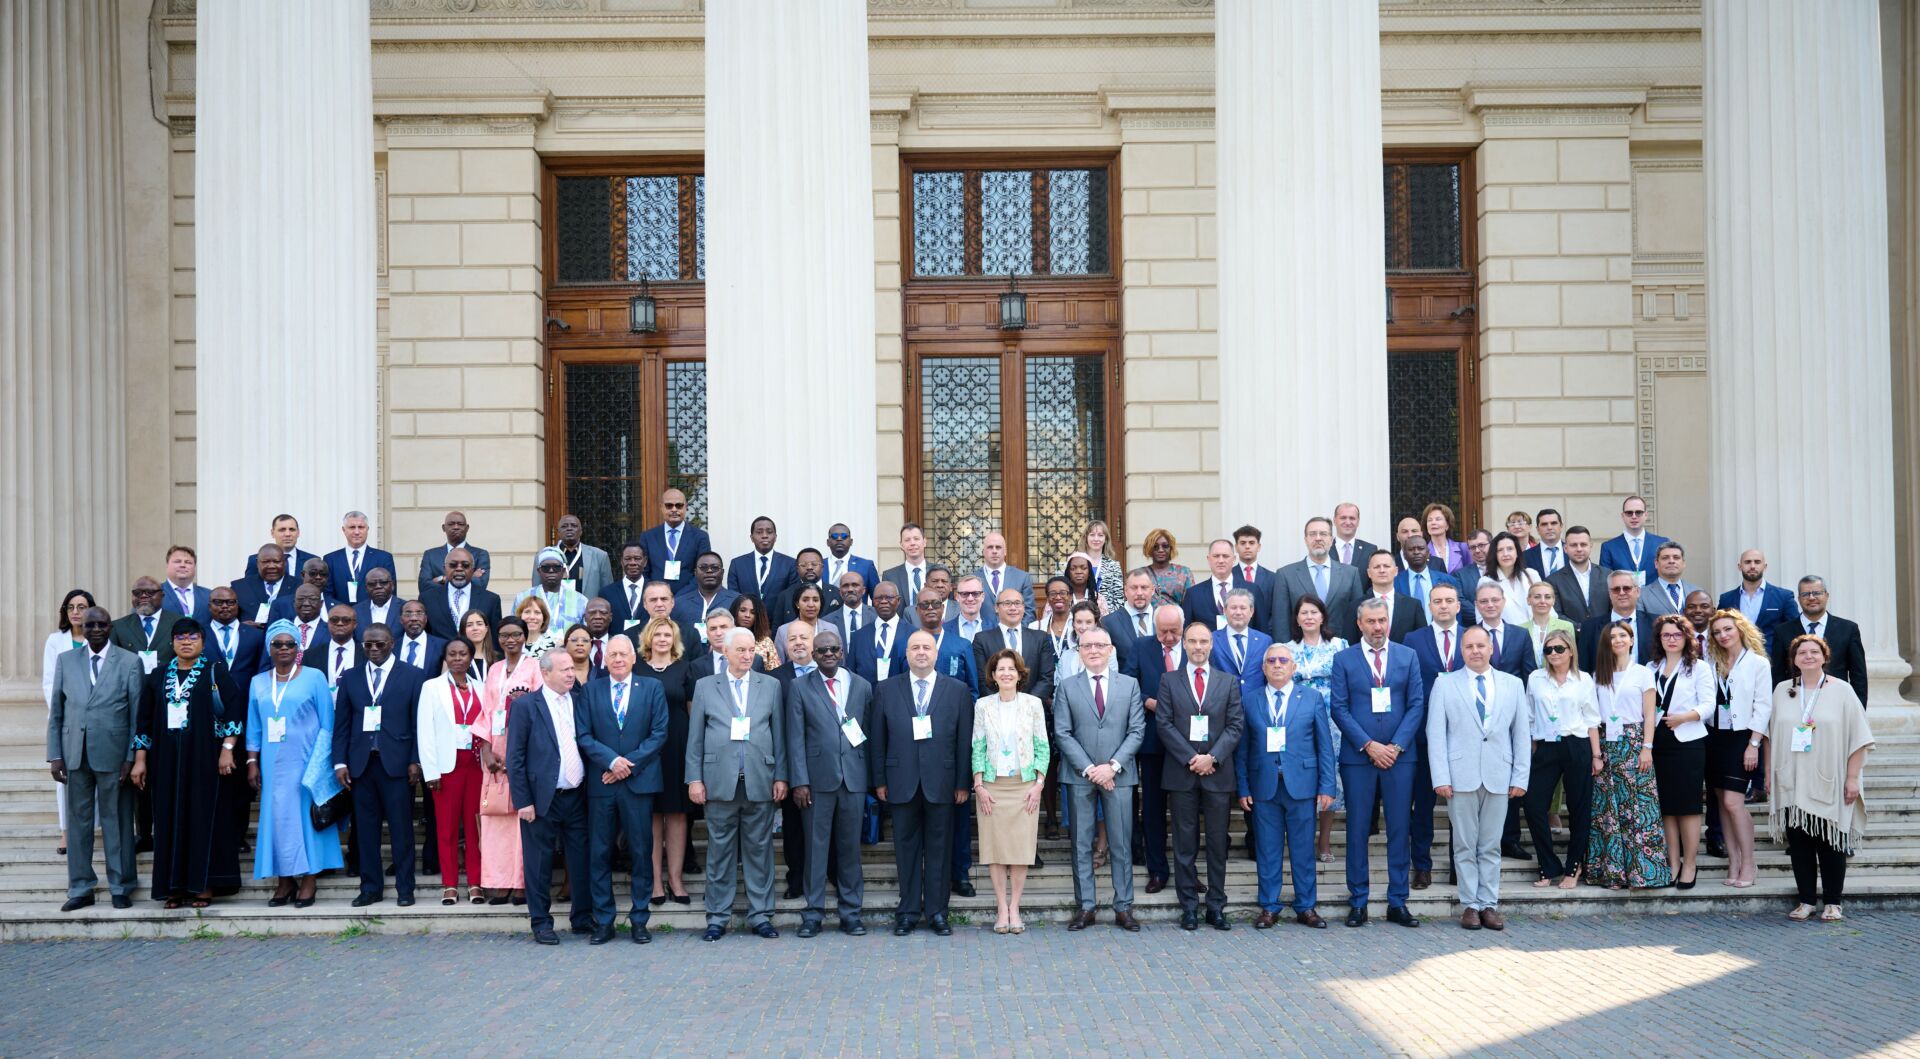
(1580, 584)
(1478, 752)
(1667, 592)
(1199, 719)
(96, 689)
(828, 713)
(1098, 723)
(737, 768)
(1335, 584)
(586, 566)
(998, 576)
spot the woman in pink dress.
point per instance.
(513, 676)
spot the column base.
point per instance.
(1888, 711)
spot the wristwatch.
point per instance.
(1115, 766)
(226, 744)
(1754, 743)
(1397, 748)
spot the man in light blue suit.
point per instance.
(1379, 703)
(1239, 647)
(1635, 549)
(1477, 737)
(1286, 779)
(621, 726)
(1763, 604)
(1437, 648)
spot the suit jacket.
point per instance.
(842, 615)
(1776, 605)
(1262, 588)
(294, 564)
(1516, 652)
(1403, 586)
(1849, 654)
(320, 653)
(862, 653)
(1147, 665)
(716, 758)
(615, 593)
(1013, 577)
(743, 575)
(1572, 604)
(1655, 600)
(433, 564)
(1344, 588)
(818, 750)
(901, 579)
(1535, 558)
(1467, 755)
(954, 658)
(1084, 737)
(1616, 555)
(1225, 725)
(433, 652)
(592, 575)
(363, 613)
(781, 609)
(1405, 616)
(1362, 551)
(1424, 642)
(91, 723)
(1306, 767)
(201, 598)
(693, 541)
(129, 635)
(932, 768)
(602, 736)
(249, 651)
(1587, 642)
(370, 559)
(533, 753)
(399, 702)
(1120, 628)
(283, 607)
(1249, 668)
(1351, 683)
(1202, 605)
(853, 564)
(251, 592)
(440, 617)
(1036, 653)
(690, 608)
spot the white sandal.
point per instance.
(1832, 914)
(1801, 913)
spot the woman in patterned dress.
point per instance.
(1627, 846)
(1313, 652)
(516, 673)
(1170, 579)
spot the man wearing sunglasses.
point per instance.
(90, 750)
(673, 545)
(841, 561)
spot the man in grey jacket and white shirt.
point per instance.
(1098, 723)
(96, 690)
(1479, 755)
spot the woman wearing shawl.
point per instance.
(191, 714)
(1820, 742)
(289, 738)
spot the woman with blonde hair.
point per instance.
(1566, 750)
(1436, 522)
(1170, 579)
(663, 659)
(1108, 579)
(541, 636)
(1742, 709)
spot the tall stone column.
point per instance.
(1802, 435)
(1303, 335)
(284, 271)
(63, 475)
(790, 270)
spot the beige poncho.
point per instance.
(1807, 789)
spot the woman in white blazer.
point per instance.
(1683, 699)
(450, 705)
(1742, 709)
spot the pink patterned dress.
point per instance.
(500, 835)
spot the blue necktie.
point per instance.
(1320, 581)
(97, 659)
(1240, 650)
(225, 647)
(763, 569)
(1674, 592)
(920, 698)
(147, 623)
(1480, 699)
(620, 704)
(413, 654)
(673, 540)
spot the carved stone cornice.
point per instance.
(1547, 105)
(445, 126)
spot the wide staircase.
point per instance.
(1885, 874)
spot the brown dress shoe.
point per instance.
(1081, 920)
(1155, 884)
(1310, 918)
(1125, 921)
(1422, 879)
(1470, 919)
(1492, 919)
(1265, 920)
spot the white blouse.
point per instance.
(1692, 689)
(1517, 612)
(1622, 703)
(1569, 709)
(1009, 729)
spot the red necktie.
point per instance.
(1446, 652)
(1379, 670)
(1199, 686)
(596, 655)
(1171, 664)
(1249, 574)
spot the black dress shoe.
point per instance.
(658, 901)
(1717, 849)
(766, 930)
(1310, 918)
(1189, 921)
(601, 935)
(1155, 884)
(964, 888)
(74, 904)
(580, 929)
(940, 926)
(517, 899)
(1399, 914)
(279, 899)
(497, 899)
(791, 893)
(124, 901)
(1512, 851)
(713, 933)
(143, 845)
(853, 928)
(546, 936)
(810, 929)
(1039, 861)
(1356, 917)
(305, 902)
(431, 867)
(903, 926)
(1081, 920)
(404, 902)
(1125, 921)
(391, 868)
(641, 935)
(363, 900)
(1219, 921)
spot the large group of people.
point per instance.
(555, 734)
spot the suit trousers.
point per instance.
(455, 812)
(616, 811)
(1153, 815)
(106, 793)
(379, 798)
(564, 825)
(962, 865)
(1392, 790)
(832, 827)
(923, 851)
(1425, 803)
(1284, 830)
(1118, 804)
(430, 845)
(1569, 760)
(1477, 818)
(793, 844)
(1189, 807)
(739, 834)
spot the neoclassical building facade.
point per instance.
(1506, 254)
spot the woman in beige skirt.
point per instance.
(1009, 766)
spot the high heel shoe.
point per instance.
(682, 899)
(658, 900)
(1689, 884)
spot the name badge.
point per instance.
(1382, 700)
(149, 661)
(701, 628)
(463, 737)
(276, 729)
(1197, 728)
(260, 616)
(632, 622)
(370, 719)
(881, 666)
(1802, 738)
(742, 727)
(1276, 739)
(353, 592)
(176, 715)
(851, 729)
(923, 727)
(670, 570)
(1613, 729)
(1219, 622)
(499, 722)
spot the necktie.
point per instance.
(1673, 592)
(339, 661)
(834, 694)
(306, 634)
(377, 673)
(920, 698)
(1320, 581)
(633, 598)
(1446, 650)
(1220, 596)
(1140, 624)
(1498, 635)
(147, 623)
(916, 584)
(226, 647)
(1100, 697)
(763, 570)
(1813, 629)
(673, 540)
(853, 620)
(1420, 587)
(1480, 697)
(1346, 552)
(1553, 560)
(740, 696)
(96, 668)
(1634, 544)
(996, 582)
(1379, 667)
(1199, 686)
(1247, 572)
(597, 664)
(620, 704)
(1171, 666)
(353, 565)
(881, 634)
(1240, 650)
(459, 602)
(413, 654)
(186, 599)
(839, 570)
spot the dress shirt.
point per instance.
(1237, 645)
(184, 596)
(377, 677)
(95, 660)
(1278, 700)
(354, 558)
(632, 590)
(916, 579)
(225, 639)
(1010, 636)
(1142, 620)
(837, 691)
(340, 656)
(1344, 549)
(1582, 578)
(1674, 592)
(1220, 590)
(377, 613)
(1562, 709)
(1552, 557)
(307, 629)
(1750, 603)
(560, 708)
(1447, 640)
(413, 651)
(883, 636)
(996, 580)
(1321, 574)
(969, 627)
(620, 693)
(1636, 547)
(1499, 633)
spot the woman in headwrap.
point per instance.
(289, 737)
(191, 714)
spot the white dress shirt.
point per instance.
(560, 708)
(1568, 709)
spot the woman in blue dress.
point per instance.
(289, 729)
(1313, 651)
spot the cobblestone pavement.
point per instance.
(1659, 986)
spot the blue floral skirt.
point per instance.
(1628, 846)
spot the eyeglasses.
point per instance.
(551, 568)
(969, 595)
(822, 650)
(340, 621)
(78, 606)
(927, 604)
(1673, 634)
(1621, 589)
(1554, 649)
(673, 507)
(146, 591)
(1096, 647)
(839, 536)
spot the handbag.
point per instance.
(496, 796)
(326, 814)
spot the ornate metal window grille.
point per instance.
(1066, 453)
(1423, 434)
(1423, 216)
(686, 406)
(603, 452)
(997, 222)
(618, 229)
(961, 446)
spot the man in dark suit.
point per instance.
(872, 650)
(1239, 647)
(336, 654)
(1547, 557)
(1033, 646)
(1436, 647)
(621, 727)
(309, 618)
(1635, 549)
(1134, 619)
(147, 631)
(623, 593)
(377, 757)
(657, 601)
(433, 563)
(1580, 584)
(1848, 651)
(1200, 726)
(1623, 592)
(241, 646)
(260, 590)
(182, 596)
(286, 535)
(348, 567)
(793, 835)
(762, 573)
(705, 593)
(416, 646)
(544, 775)
(673, 545)
(1249, 574)
(1347, 545)
(1206, 601)
(953, 654)
(920, 758)
(1336, 584)
(1418, 576)
(910, 575)
(1379, 702)
(314, 575)
(1150, 660)
(1764, 605)
(829, 712)
(854, 612)
(446, 603)
(378, 605)
(1408, 615)
(840, 560)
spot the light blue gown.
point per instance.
(287, 843)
